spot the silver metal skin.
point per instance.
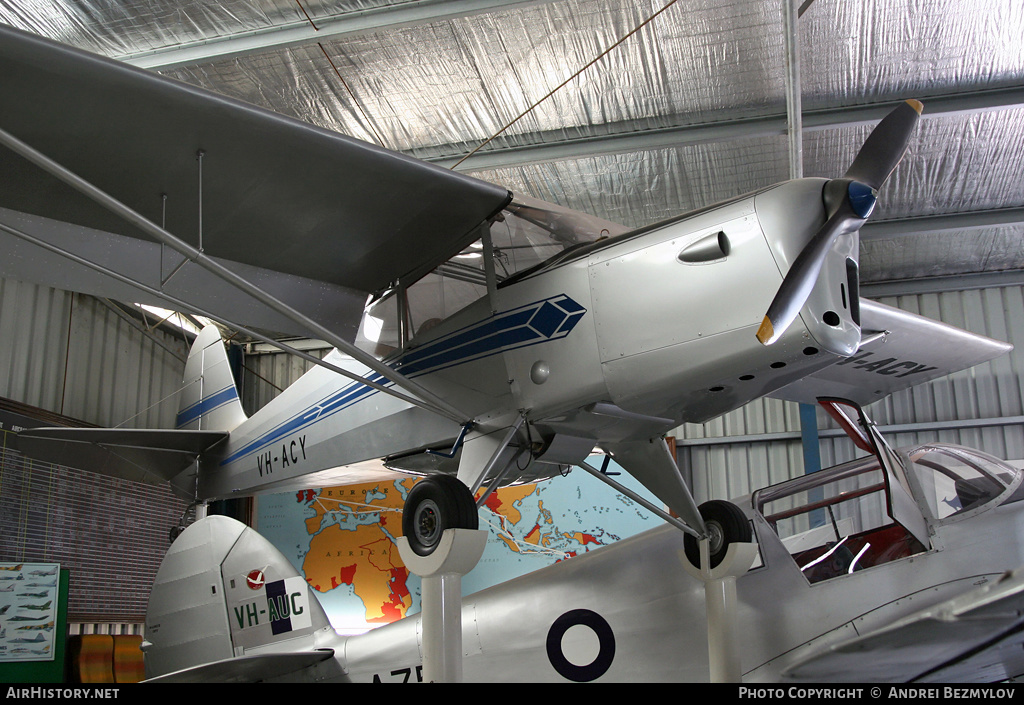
(636, 362)
(632, 612)
(611, 343)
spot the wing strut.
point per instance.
(658, 511)
(427, 399)
(178, 303)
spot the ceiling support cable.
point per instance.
(554, 90)
(310, 19)
(425, 398)
(355, 101)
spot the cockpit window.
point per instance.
(955, 480)
(837, 521)
(379, 332)
(527, 234)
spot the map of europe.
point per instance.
(342, 539)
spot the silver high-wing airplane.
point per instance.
(501, 339)
(888, 568)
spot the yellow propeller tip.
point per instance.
(916, 105)
(766, 333)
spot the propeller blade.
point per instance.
(803, 274)
(885, 146)
(855, 196)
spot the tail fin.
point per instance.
(209, 400)
(227, 605)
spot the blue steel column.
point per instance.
(809, 437)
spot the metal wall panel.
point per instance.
(33, 343)
(73, 355)
(265, 375)
(759, 444)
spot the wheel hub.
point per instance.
(716, 537)
(427, 522)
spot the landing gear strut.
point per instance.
(441, 544)
(718, 560)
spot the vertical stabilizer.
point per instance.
(209, 400)
(223, 591)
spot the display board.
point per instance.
(29, 601)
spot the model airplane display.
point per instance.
(867, 571)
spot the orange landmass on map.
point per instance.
(503, 501)
(365, 559)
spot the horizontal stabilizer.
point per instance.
(139, 455)
(912, 350)
(247, 669)
(974, 637)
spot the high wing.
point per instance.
(974, 637)
(306, 213)
(899, 350)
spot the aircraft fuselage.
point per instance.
(623, 340)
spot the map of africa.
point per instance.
(342, 539)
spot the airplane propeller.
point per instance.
(850, 201)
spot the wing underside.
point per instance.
(250, 187)
(900, 350)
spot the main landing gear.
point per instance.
(436, 503)
(718, 560)
(725, 524)
(442, 543)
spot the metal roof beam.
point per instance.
(969, 220)
(629, 137)
(304, 32)
(938, 285)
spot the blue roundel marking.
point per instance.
(606, 651)
(862, 198)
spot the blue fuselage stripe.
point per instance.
(342, 399)
(506, 331)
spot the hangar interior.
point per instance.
(631, 111)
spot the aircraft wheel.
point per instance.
(726, 524)
(436, 503)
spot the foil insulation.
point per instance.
(439, 86)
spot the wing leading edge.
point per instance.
(974, 637)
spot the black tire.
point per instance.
(175, 532)
(436, 503)
(726, 524)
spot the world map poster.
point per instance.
(342, 539)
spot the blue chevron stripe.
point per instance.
(539, 322)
